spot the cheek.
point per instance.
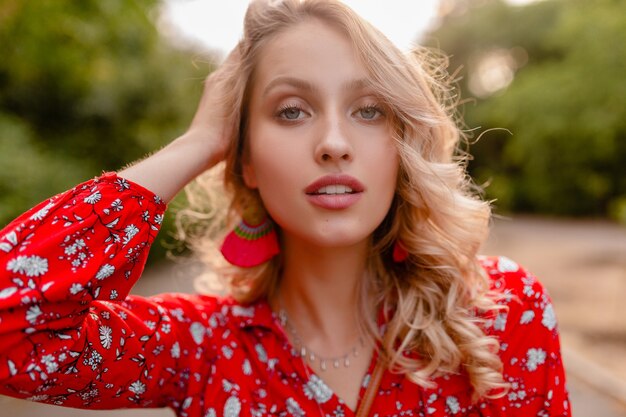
(277, 154)
(267, 153)
(387, 181)
(391, 161)
(275, 170)
(383, 164)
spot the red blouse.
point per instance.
(71, 335)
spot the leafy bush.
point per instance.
(85, 87)
(564, 108)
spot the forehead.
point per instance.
(312, 51)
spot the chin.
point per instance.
(328, 232)
(337, 237)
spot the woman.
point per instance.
(355, 285)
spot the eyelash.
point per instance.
(286, 107)
(372, 107)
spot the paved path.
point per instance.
(583, 265)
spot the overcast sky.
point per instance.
(219, 24)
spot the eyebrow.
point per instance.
(356, 84)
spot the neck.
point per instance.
(319, 287)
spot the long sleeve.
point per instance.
(529, 344)
(69, 332)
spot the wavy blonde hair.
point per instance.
(437, 300)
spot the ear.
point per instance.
(249, 175)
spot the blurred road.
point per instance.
(583, 265)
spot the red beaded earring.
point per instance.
(252, 242)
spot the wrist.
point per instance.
(203, 146)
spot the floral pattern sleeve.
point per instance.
(529, 344)
(69, 333)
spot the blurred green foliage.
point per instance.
(565, 107)
(85, 86)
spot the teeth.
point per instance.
(343, 189)
(335, 189)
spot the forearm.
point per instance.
(167, 171)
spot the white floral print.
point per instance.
(106, 336)
(11, 241)
(453, 405)
(116, 205)
(38, 398)
(507, 265)
(535, 357)
(77, 335)
(105, 271)
(197, 332)
(246, 368)
(131, 231)
(227, 352)
(33, 314)
(137, 388)
(50, 363)
(7, 292)
(123, 184)
(527, 317)
(175, 350)
(93, 359)
(548, 317)
(294, 408)
(76, 288)
(93, 198)
(42, 213)
(500, 322)
(232, 408)
(261, 352)
(317, 389)
(31, 266)
(240, 311)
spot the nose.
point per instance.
(334, 142)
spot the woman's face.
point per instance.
(321, 151)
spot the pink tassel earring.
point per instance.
(251, 243)
(399, 252)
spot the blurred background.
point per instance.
(93, 85)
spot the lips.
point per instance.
(335, 192)
(338, 180)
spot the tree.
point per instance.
(564, 105)
(84, 87)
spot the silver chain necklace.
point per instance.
(307, 353)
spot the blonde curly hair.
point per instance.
(437, 300)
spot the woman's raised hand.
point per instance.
(202, 146)
(212, 123)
